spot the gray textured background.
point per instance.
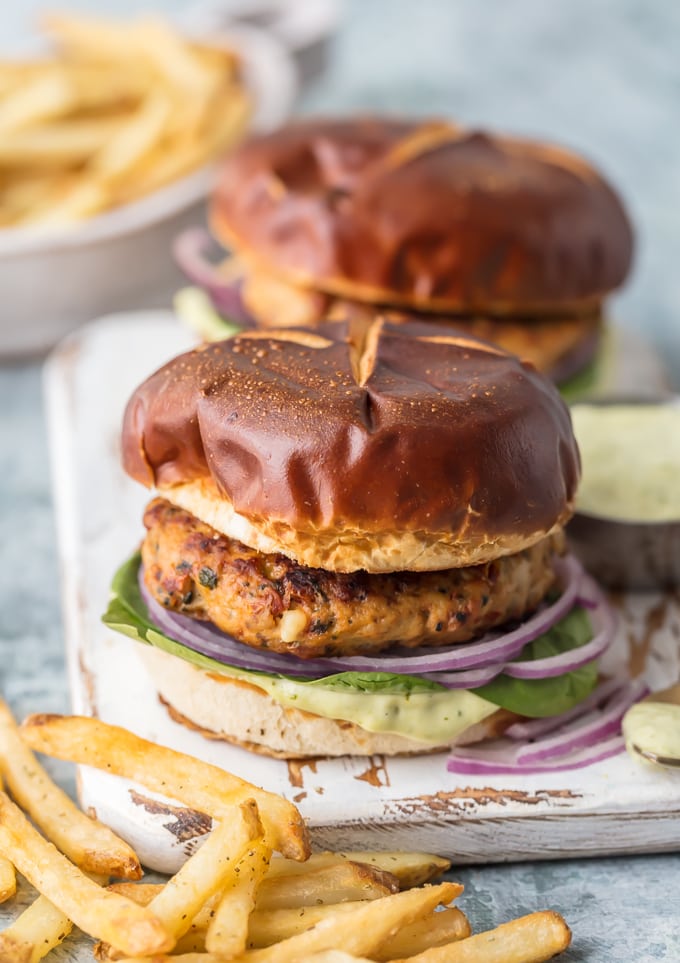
(603, 77)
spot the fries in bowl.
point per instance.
(115, 112)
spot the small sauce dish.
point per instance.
(651, 728)
(626, 529)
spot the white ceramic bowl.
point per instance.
(52, 282)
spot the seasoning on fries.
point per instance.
(108, 916)
(87, 843)
(197, 784)
(231, 899)
(34, 932)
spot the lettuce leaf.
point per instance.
(547, 697)
(128, 614)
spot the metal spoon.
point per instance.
(670, 696)
(668, 761)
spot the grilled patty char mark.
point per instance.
(193, 569)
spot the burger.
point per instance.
(514, 241)
(354, 545)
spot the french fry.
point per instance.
(88, 38)
(228, 929)
(337, 956)
(207, 872)
(100, 38)
(339, 883)
(175, 958)
(195, 783)
(46, 96)
(21, 197)
(198, 886)
(141, 893)
(411, 869)
(14, 950)
(335, 884)
(324, 956)
(267, 927)
(529, 939)
(362, 931)
(435, 929)
(271, 926)
(176, 61)
(8, 878)
(264, 926)
(87, 843)
(73, 200)
(61, 143)
(120, 110)
(285, 905)
(108, 916)
(134, 140)
(34, 933)
(228, 127)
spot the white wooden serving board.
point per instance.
(614, 807)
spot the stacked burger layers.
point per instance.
(356, 542)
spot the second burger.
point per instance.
(517, 241)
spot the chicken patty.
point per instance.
(271, 602)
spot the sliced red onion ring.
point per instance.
(605, 627)
(535, 728)
(206, 639)
(502, 759)
(590, 730)
(492, 651)
(588, 733)
(468, 679)
(190, 249)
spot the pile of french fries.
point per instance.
(117, 111)
(251, 891)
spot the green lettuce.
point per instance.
(127, 613)
(547, 697)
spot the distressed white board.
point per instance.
(617, 806)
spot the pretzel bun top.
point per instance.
(425, 214)
(379, 446)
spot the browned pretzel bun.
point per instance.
(425, 214)
(368, 446)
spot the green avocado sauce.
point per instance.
(653, 727)
(630, 460)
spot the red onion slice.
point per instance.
(502, 761)
(535, 728)
(588, 733)
(605, 627)
(208, 640)
(190, 249)
(590, 730)
(468, 679)
(491, 651)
